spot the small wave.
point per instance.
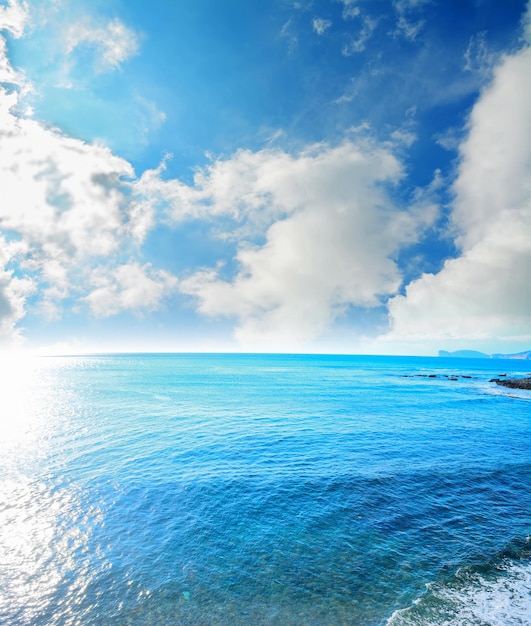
(498, 594)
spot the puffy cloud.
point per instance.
(113, 42)
(485, 291)
(60, 193)
(67, 205)
(13, 293)
(14, 17)
(328, 234)
(128, 287)
(71, 205)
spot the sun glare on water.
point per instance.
(43, 524)
(21, 394)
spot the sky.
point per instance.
(348, 176)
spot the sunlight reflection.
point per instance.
(44, 539)
(21, 388)
(46, 566)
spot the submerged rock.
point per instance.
(513, 383)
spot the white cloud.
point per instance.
(450, 139)
(320, 25)
(113, 43)
(350, 9)
(60, 193)
(358, 45)
(406, 26)
(287, 33)
(7, 73)
(478, 58)
(408, 5)
(14, 17)
(526, 23)
(70, 205)
(330, 230)
(128, 287)
(485, 292)
(13, 293)
(150, 118)
(404, 136)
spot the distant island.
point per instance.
(474, 354)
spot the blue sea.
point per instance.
(206, 490)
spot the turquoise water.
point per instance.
(198, 490)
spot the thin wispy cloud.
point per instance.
(408, 24)
(478, 58)
(366, 32)
(112, 43)
(350, 9)
(321, 25)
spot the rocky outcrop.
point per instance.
(513, 383)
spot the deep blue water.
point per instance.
(197, 490)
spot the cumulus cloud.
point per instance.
(113, 43)
(128, 287)
(14, 17)
(13, 292)
(67, 205)
(485, 291)
(317, 232)
(60, 193)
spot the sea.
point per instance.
(286, 490)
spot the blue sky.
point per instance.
(327, 175)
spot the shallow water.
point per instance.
(251, 489)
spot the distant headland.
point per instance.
(474, 354)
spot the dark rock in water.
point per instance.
(514, 383)
(447, 376)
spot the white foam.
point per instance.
(502, 599)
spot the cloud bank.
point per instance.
(67, 211)
(316, 232)
(485, 292)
